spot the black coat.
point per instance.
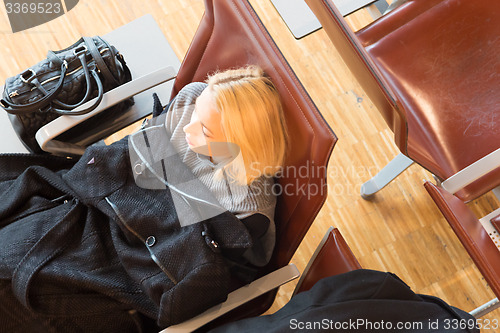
(360, 301)
(85, 248)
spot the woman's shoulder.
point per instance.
(190, 92)
(263, 185)
(262, 194)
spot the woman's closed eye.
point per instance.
(204, 131)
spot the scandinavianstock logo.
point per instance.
(25, 14)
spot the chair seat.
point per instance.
(445, 79)
(234, 22)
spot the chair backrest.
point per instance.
(332, 257)
(231, 35)
(361, 65)
(473, 236)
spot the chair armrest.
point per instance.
(238, 297)
(47, 133)
(473, 172)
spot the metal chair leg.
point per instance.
(399, 164)
(496, 192)
(485, 308)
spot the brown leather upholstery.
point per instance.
(231, 35)
(333, 257)
(363, 68)
(471, 233)
(432, 69)
(496, 223)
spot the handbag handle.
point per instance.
(99, 61)
(39, 104)
(100, 94)
(80, 52)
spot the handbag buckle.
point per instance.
(25, 78)
(80, 49)
(45, 108)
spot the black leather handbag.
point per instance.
(63, 81)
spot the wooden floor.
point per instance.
(400, 230)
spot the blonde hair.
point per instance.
(252, 117)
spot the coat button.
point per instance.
(138, 168)
(150, 241)
(214, 246)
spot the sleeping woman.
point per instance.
(146, 232)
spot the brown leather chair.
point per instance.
(230, 35)
(431, 68)
(474, 237)
(332, 257)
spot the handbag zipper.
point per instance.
(73, 71)
(57, 77)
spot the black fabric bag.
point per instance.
(63, 81)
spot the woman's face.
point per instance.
(205, 125)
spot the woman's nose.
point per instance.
(194, 127)
(188, 128)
